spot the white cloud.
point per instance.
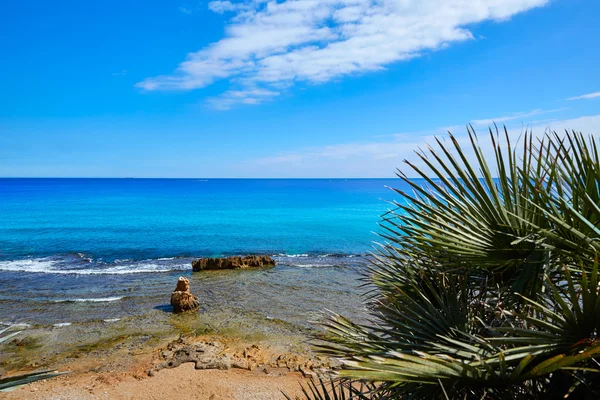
(357, 159)
(225, 6)
(589, 125)
(185, 10)
(512, 117)
(585, 96)
(244, 96)
(381, 158)
(271, 45)
(374, 150)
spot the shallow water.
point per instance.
(74, 251)
(294, 291)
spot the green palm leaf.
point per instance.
(487, 285)
(13, 382)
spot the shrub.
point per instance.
(487, 285)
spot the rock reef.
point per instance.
(181, 299)
(237, 262)
(217, 354)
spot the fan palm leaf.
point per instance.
(464, 217)
(13, 382)
(487, 286)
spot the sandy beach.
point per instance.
(205, 367)
(182, 382)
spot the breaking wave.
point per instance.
(91, 300)
(80, 264)
(57, 266)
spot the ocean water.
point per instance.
(80, 250)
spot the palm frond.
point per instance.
(487, 286)
(336, 389)
(13, 382)
(470, 215)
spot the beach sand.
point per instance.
(186, 367)
(183, 382)
(161, 355)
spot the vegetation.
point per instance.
(487, 285)
(10, 383)
(338, 390)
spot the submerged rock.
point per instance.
(181, 299)
(232, 263)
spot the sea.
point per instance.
(74, 251)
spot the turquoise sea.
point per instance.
(77, 250)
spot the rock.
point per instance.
(236, 262)
(203, 355)
(181, 299)
(218, 355)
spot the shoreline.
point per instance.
(78, 292)
(118, 336)
(176, 362)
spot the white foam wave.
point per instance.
(46, 266)
(112, 320)
(304, 255)
(26, 265)
(84, 257)
(93, 300)
(19, 325)
(313, 265)
(61, 324)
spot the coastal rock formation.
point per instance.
(232, 263)
(181, 299)
(269, 360)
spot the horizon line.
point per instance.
(202, 178)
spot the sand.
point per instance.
(183, 382)
(134, 372)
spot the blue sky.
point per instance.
(295, 88)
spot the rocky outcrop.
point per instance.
(269, 360)
(232, 263)
(181, 299)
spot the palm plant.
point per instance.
(487, 286)
(11, 383)
(321, 389)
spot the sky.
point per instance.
(286, 88)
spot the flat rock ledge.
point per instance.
(213, 354)
(236, 262)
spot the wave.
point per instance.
(18, 325)
(81, 264)
(53, 266)
(313, 265)
(92, 300)
(317, 255)
(319, 260)
(61, 324)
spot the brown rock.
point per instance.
(183, 285)
(181, 299)
(236, 262)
